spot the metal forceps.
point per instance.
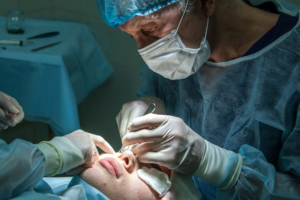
(150, 109)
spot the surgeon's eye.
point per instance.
(150, 30)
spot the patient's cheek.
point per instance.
(90, 176)
(95, 178)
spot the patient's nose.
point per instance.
(128, 160)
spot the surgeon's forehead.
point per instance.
(159, 17)
(139, 22)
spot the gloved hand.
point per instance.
(176, 146)
(72, 153)
(87, 143)
(11, 113)
(172, 144)
(134, 109)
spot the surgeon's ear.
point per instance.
(208, 7)
(168, 196)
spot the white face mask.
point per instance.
(170, 58)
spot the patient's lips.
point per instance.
(112, 166)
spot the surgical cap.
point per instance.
(117, 12)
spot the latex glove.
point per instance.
(11, 113)
(134, 109)
(183, 188)
(72, 153)
(176, 146)
(172, 144)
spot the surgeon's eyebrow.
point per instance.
(148, 24)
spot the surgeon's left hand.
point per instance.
(172, 144)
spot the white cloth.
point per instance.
(157, 180)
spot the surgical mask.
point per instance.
(170, 58)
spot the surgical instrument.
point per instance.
(43, 47)
(44, 35)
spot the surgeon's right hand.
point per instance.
(11, 113)
(72, 153)
(134, 109)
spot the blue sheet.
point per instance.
(50, 83)
(57, 185)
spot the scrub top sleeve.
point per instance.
(261, 180)
(149, 83)
(22, 165)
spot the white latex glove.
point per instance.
(73, 153)
(134, 109)
(183, 188)
(172, 144)
(11, 113)
(176, 146)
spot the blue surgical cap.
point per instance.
(117, 12)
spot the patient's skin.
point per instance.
(121, 183)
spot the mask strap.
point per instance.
(187, 3)
(204, 39)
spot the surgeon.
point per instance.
(225, 76)
(23, 165)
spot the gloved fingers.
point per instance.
(142, 136)
(133, 114)
(123, 129)
(147, 121)
(8, 103)
(86, 165)
(118, 119)
(3, 126)
(19, 117)
(153, 158)
(102, 144)
(76, 170)
(5, 119)
(95, 154)
(144, 147)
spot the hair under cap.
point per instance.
(117, 12)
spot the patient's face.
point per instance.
(116, 177)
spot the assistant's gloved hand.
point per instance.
(176, 146)
(72, 153)
(134, 109)
(11, 113)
